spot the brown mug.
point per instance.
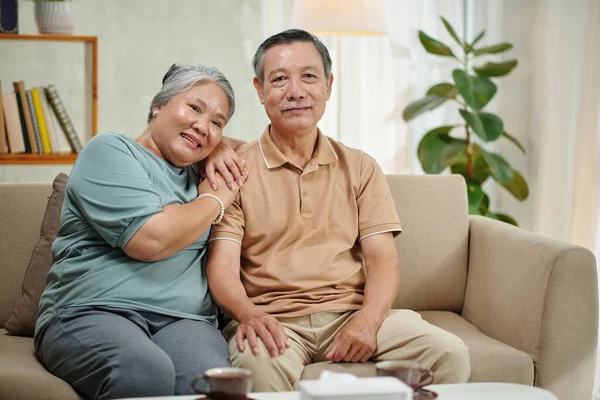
(225, 383)
(407, 371)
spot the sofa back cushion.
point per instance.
(433, 247)
(22, 208)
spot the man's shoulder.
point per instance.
(350, 154)
(247, 149)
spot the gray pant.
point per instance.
(106, 352)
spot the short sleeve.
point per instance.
(376, 208)
(233, 223)
(111, 189)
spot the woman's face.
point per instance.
(188, 127)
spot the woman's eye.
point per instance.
(217, 124)
(195, 108)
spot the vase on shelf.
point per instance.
(55, 17)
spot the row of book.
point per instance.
(29, 119)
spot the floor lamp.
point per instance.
(340, 18)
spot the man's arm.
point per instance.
(226, 288)
(357, 341)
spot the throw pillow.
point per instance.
(23, 317)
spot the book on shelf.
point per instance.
(34, 122)
(39, 115)
(49, 117)
(3, 141)
(14, 131)
(35, 116)
(63, 118)
(9, 16)
(28, 131)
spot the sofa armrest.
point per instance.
(539, 296)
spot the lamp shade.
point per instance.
(348, 17)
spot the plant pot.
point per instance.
(56, 17)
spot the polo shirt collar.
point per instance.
(274, 158)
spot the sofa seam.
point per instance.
(539, 352)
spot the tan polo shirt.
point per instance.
(300, 230)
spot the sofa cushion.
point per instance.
(491, 360)
(24, 314)
(23, 377)
(433, 249)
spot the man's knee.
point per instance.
(451, 355)
(246, 359)
(139, 374)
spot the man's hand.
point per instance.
(356, 341)
(227, 163)
(257, 324)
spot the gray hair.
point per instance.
(180, 78)
(288, 37)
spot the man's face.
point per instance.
(295, 89)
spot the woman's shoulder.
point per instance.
(109, 142)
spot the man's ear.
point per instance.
(259, 90)
(329, 85)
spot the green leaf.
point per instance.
(437, 149)
(479, 175)
(475, 194)
(433, 46)
(496, 69)
(481, 171)
(487, 126)
(474, 211)
(500, 169)
(444, 89)
(478, 38)
(477, 91)
(418, 107)
(514, 141)
(517, 186)
(506, 218)
(497, 48)
(451, 31)
(485, 204)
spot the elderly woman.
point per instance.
(126, 310)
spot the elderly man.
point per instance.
(287, 260)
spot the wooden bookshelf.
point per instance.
(91, 97)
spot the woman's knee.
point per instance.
(135, 374)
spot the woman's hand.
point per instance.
(227, 163)
(223, 192)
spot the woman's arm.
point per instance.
(178, 225)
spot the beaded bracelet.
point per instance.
(222, 213)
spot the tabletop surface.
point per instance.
(465, 391)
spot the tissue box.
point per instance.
(379, 388)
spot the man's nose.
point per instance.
(296, 89)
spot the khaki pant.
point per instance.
(404, 335)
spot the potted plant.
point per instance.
(55, 16)
(460, 147)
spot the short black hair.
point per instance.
(287, 37)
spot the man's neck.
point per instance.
(297, 146)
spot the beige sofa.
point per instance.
(526, 306)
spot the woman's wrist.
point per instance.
(222, 211)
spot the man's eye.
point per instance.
(279, 79)
(310, 76)
(217, 124)
(195, 108)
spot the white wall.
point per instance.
(137, 42)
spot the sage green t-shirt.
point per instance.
(115, 186)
